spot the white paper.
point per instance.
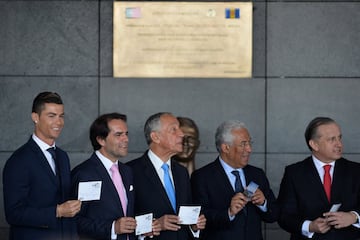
(335, 207)
(189, 214)
(251, 189)
(89, 191)
(143, 223)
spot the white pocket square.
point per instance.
(131, 188)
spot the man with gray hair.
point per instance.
(161, 184)
(234, 195)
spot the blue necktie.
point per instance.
(239, 187)
(169, 188)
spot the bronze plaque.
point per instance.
(183, 39)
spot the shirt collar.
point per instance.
(43, 146)
(156, 161)
(228, 169)
(105, 161)
(319, 164)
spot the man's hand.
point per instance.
(258, 198)
(68, 209)
(340, 219)
(200, 225)
(125, 225)
(156, 228)
(319, 225)
(169, 222)
(238, 202)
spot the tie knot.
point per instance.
(51, 150)
(165, 167)
(236, 173)
(114, 168)
(327, 167)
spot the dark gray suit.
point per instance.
(213, 191)
(96, 217)
(31, 193)
(150, 195)
(302, 197)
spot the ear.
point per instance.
(314, 145)
(35, 117)
(225, 148)
(101, 141)
(155, 137)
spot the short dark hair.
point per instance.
(100, 127)
(45, 97)
(312, 127)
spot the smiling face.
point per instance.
(49, 122)
(237, 153)
(115, 145)
(327, 144)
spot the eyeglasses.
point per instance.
(244, 144)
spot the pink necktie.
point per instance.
(116, 178)
(327, 181)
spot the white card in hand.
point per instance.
(335, 207)
(251, 189)
(89, 191)
(189, 214)
(143, 223)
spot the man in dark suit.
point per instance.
(111, 217)
(36, 180)
(164, 138)
(308, 190)
(219, 188)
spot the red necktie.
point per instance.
(327, 181)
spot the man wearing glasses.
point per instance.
(234, 195)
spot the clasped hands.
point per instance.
(166, 222)
(332, 219)
(171, 223)
(126, 225)
(239, 201)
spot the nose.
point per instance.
(60, 120)
(248, 148)
(339, 142)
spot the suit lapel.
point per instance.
(107, 185)
(40, 157)
(314, 180)
(153, 177)
(221, 177)
(338, 181)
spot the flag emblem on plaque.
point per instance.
(133, 12)
(232, 12)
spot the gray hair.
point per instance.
(224, 132)
(153, 124)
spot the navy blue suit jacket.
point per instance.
(213, 191)
(302, 197)
(32, 192)
(151, 197)
(95, 219)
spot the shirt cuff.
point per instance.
(195, 233)
(263, 207)
(357, 224)
(305, 229)
(113, 234)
